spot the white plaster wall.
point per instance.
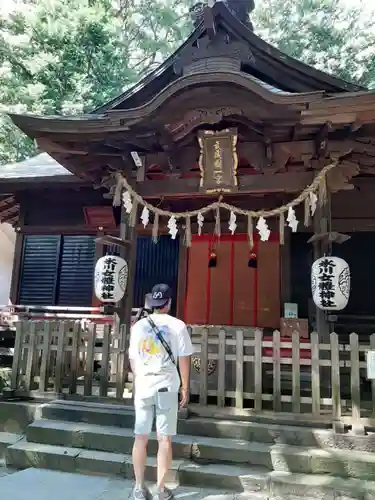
(7, 243)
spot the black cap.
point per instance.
(159, 296)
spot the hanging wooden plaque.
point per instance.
(218, 161)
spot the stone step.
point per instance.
(257, 482)
(204, 450)
(98, 414)
(121, 416)
(7, 439)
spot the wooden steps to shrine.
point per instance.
(266, 460)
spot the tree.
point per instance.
(70, 56)
(326, 34)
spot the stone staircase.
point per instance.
(263, 459)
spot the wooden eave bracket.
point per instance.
(112, 240)
(331, 237)
(209, 22)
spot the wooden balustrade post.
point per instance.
(276, 371)
(203, 371)
(59, 371)
(239, 368)
(315, 374)
(17, 356)
(75, 358)
(31, 351)
(89, 372)
(337, 424)
(104, 372)
(296, 373)
(357, 426)
(221, 369)
(44, 368)
(258, 367)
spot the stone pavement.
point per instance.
(39, 484)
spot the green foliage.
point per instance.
(70, 56)
(326, 34)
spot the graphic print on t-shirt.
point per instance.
(151, 351)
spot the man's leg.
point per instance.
(166, 427)
(144, 414)
(164, 459)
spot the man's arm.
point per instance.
(184, 365)
(184, 357)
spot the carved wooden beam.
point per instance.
(112, 240)
(339, 177)
(248, 184)
(173, 154)
(331, 237)
(54, 147)
(321, 140)
(82, 149)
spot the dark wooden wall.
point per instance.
(59, 207)
(59, 252)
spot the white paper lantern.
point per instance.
(111, 276)
(330, 283)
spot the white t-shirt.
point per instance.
(153, 367)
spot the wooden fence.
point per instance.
(73, 358)
(232, 369)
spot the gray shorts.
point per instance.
(165, 406)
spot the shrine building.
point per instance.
(234, 166)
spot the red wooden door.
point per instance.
(232, 293)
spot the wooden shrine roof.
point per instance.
(288, 116)
(40, 166)
(273, 68)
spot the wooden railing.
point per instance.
(237, 368)
(76, 358)
(10, 314)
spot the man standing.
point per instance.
(160, 350)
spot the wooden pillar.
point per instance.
(18, 253)
(17, 264)
(321, 246)
(128, 253)
(124, 307)
(285, 271)
(182, 279)
(99, 252)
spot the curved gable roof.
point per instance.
(270, 66)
